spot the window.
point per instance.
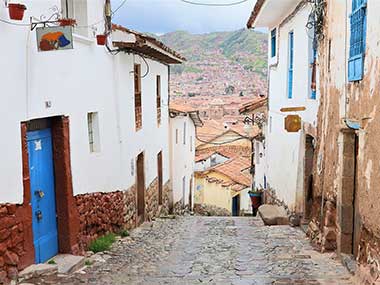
(358, 29)
(184, 133)
(93, 132)
(138, 107)
(176, 136)
(158, 98)
(273, 42)
(290, 65)
(76, 9)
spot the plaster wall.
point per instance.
(75, 82)
(183, 158)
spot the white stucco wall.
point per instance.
(182, 157)
(284, 151)
(85, 79)
(206, 164)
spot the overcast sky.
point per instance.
(162, 16)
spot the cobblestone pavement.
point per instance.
(212, 250)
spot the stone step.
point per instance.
(68, 263)
(37, 270)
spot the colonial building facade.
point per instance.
(288, 156)
(183, 123)
(347, 152)
(78, 159)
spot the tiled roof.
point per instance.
(253, 106)
(234, 170)
(178, 109)
(256, 10)
(143, 45)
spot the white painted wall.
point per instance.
(245, 201)
(282, 163)
(182, 157)
(207, 163)
(85, 79)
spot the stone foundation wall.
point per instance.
(151, 200)
(368, 258)
(99, 213)
(210, 210)
(16, 248)
(130, 210)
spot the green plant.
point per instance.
(124, 233)
(102, 243)
(88, 262)
(52, 261)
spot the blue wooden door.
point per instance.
(45, 234)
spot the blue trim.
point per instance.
(291, 63)
(358, 31)
(273, 42)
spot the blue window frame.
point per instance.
(273, 40)
(291, 64)
(358, 21)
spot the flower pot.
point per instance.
(255, 199)
(67, 22)
(16, 11)
(101, 40)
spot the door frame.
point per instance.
(67, 213)
(160, 178)
(140, 189)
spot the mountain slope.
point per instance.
(217, 61)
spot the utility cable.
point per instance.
(214, 4)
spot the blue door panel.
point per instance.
(45, 234)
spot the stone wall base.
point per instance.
(16, 248)
(210, 210)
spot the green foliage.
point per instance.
(52, 261)
(102, 243)
(88, 262)
(124, 233)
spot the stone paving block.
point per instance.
(211, 250)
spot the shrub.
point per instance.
(102, 243)
(124, 233)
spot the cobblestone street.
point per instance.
(211, 250)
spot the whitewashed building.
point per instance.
(79, 124)
(292, 80)
(183, 122)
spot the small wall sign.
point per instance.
(54, 38)
(293, 123)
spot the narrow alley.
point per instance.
(210, 250)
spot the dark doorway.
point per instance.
(140, 189)
(160, 180)
(308, 177)
(236, 206)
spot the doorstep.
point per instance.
(68, 263)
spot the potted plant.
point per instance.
(101, 39)
(16, 11)
(255, 196)
(67, 22)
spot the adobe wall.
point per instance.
(334, 166)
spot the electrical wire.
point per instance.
(214, 4)
(147, 67)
